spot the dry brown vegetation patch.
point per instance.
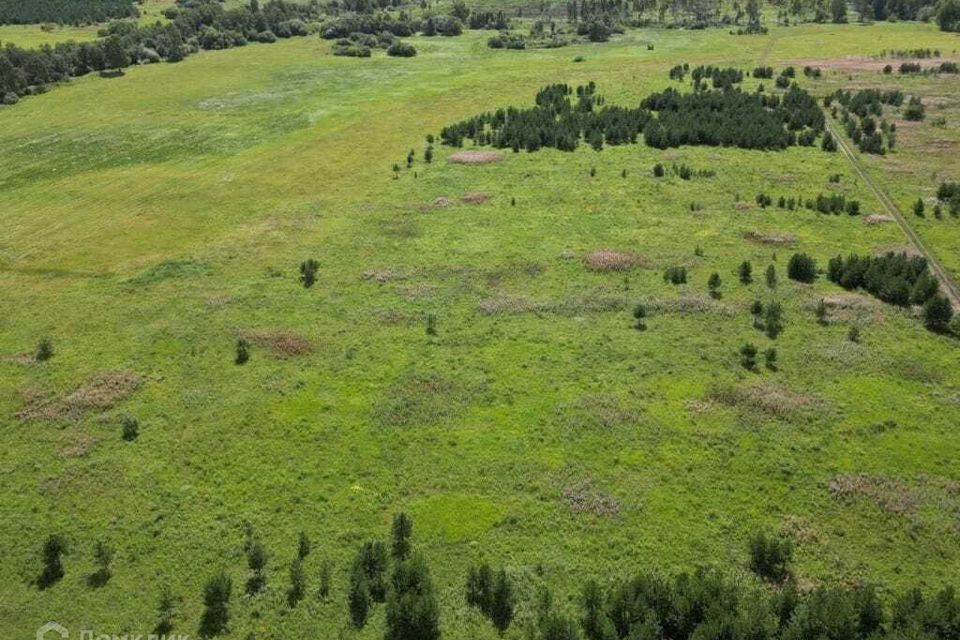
(583, 497)
(475, 197)
(687, 304)
(572, 306)
(767, 397)
(847, 307)
(891, 496)
(770, 237)
(280, 342)
(876, 218)
(384, 275)
(601, 412)
(475, 157)
(605, 260)
(441, 202)
(99, 393)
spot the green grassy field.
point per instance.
(148, 221)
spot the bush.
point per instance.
(770, 557)
(937, 312)
(216, 600)
(44, 350)
(802, 268)
(130, 428)
(54, 548)
(308, 272)
(401, 50)
(243, 351)
(748, 357)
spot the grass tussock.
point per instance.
(285, 344)
(608, 260)
(891, 496)
(773, 238)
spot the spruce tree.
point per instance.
(401, 531)
(216, 602)
(746, 272)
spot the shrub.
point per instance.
(243, 351)
(937, 312)
(853, 335)
(713, 284)
(54, 548)
(748, 357)
(102, 557)
(770, 358)
(401, 530)
(675, 275)
(401, 50)
(658, 170)
(773, 320)
(802, 268)
(130, 427)
(298, 582)
(308, 272)
(44, 350)
(216, 600)
(770, 557)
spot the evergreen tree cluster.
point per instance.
(75, 12)
(488, 20)
(895, 278)
(667, 119)
(493, 594)
(835, 203)
(507, 40)
(732, 118)
(949, 192)
(720, 78)
(200, 24)
(859, 111)
(706, 604)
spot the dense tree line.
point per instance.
(698, 605)
(194, 25)
(667, 119)
(65, 11)
(895, 278)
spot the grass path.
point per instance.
(948, 284)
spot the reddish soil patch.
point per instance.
(99, 393)
(603, 260)
(475, 157)
(282, 343)
(477, 197)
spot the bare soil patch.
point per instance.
(475, 157)
(606, 260)
(99, 393)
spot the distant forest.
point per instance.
(65, 11)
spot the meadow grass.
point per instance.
(147, 222)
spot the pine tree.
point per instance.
(401, 531)
(412, 612)
(303, 545)
(358, 598)
(773, 320)
(102, 557)
(771, 277)
(937, 312)
(243, 351)
(298, 582)
(44, 350)
(502, 602)
(713, 283)
(54, 548)
(216, 601)
(746, 272)
(821, 311)
(748, 357)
